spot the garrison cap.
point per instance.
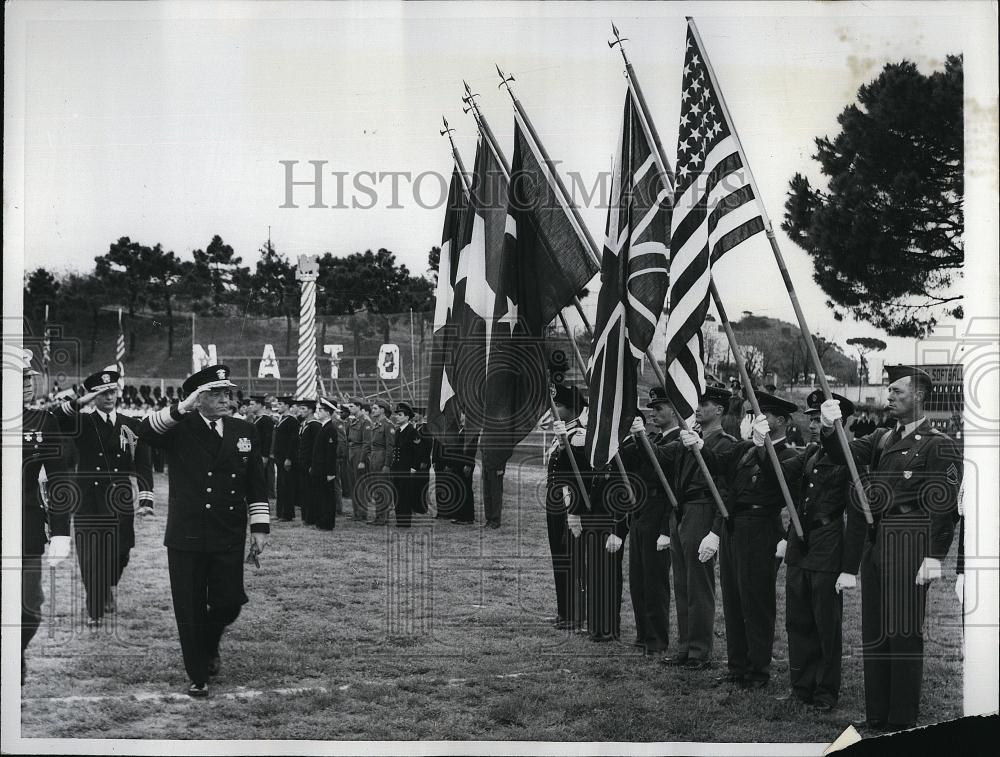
(817, 398)
(771, 404)
(101, 381)
(213, 377)
(896, 372)
(356, 401)
(384, 404)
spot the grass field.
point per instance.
(440, 633)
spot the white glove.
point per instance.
(567, 495)
(613, 544)
(637, 426)
(575, 524)
(559, 428)
(58, 550)
(690, 439)
(829, 413)
(930, 569)
(662, 542)
(845, 581)
(960, 587)
(780, 551)
(144, 509)
(708, 547)
(759, 430)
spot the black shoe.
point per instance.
(871, 723)
(601, 638)
(753, 684)
(822, 707)
(214, 666)
(198, 690)
(637, 643)
(655, 654)
(729, 679)
(674, 661)
(695, 664)
(791, 696)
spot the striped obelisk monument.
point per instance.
(305, 385)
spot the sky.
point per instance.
(168, 122)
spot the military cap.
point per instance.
(717, 394)
(771, 404)
(328, 404)
(657, 396)
(286, 400)
(101, 381)
(310, 404)
(384, 405)
(405, 409)
(25, 357)
(817, 398)
(896, 372)
(356, 401)
(212, 377)
(258, 398)
(568, 396)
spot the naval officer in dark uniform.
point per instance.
(217, 487)
(323, 468)
(284, 445)
(916, 472)
(403, 465)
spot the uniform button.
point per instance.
(95, 483)
(98, 467)
(210, 473)
(116, 470)
(208, 489)
(234, 475)
(230, 507)
(208, 506)
(811, 485)
(232, 491)
(815, 470)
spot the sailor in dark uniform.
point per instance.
(217, 487)
(43, 450)
(403, 464)
(308, 429)
(323, 469)
(425, 445)
(285, 446)
(751, 543)
(259, 413)
(564, 506)
(108, 452)
(916, 472)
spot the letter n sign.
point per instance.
(388, 361)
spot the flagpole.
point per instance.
(789, 287)
(666, 176)
(591, 245)
(447, 131)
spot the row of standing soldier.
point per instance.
(912, 474)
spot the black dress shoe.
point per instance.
(822, 707)
(601, 638)
(872, 723)
(214, 666)
(693, 664)
(729, 679)
(674, 661)
(655, 654)
(198, 690)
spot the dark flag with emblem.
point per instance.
(544, 265)
(442, 402)
(633, 288)
(477, 281)
(714, 210)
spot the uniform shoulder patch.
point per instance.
(951, 474)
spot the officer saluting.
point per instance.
(217, 486)
(916, 472)
(813, 604)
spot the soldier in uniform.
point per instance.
(693, 550)
(217, 487)
(259, 413)
(916, 473)
(461, 461)
(813, 604)
(425, 446)
(649, 533)
(383, 439)
(357, 453)
(41, 449)
(308, 429)
(564, 506)
(343, 465)
(285, 444)
(493, 469)
(403, 464)
(108, 452)
(751, 542)
(324, 466)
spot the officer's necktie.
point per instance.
(216, 429)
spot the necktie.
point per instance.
(215, 427)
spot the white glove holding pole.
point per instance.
(845, 581)
(829, 413)
(930, 569)
(759, 430)
(58, 550)
(780, 551)
(708, 547)
(637, 426)
(613, 544)
(691, 440)
(559, 428)
(575, 524)
(662, 542)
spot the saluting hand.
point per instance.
(191, 400)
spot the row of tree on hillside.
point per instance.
(146, 279)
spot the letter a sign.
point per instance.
(268, 364)
(388, 361)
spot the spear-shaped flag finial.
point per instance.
(619, 42)
(505, 81)
(446, 129)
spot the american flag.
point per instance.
(120, 348)
(714, 210)
(634, 280)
